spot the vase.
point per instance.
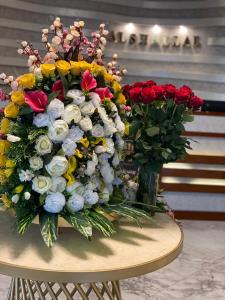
(147, 187)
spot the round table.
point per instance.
(75, 267)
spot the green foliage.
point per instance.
(100, 223)
(24, 221)
(156, 130)
(80, 222)
(48, 226)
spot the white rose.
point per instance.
(87, 108)
(55, 108)
(58, 131)
(75, 134)
(57, 166)
(13, 138)
(116, 160)
(71, 113)
(69, 146)
(86, 124)
(95, 99)
(119, 124)
(15, 198)
(97, 131)
(110, 146)
(58, 184)
(90, 168)
(90, 197)
(41, 120)
(103, 158)
(41, 184)
(77, 96)
(107, 173)
(109, 128)
(54, 203)
(100, 149)
(103, 115)
(43, 145)
(36, 163)
(75, 203)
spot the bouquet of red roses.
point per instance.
(156, 126)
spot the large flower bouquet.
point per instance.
(62, 136)
(156, 127)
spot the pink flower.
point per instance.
(2, 95)
(104, 93)
(58, 87)
(37, 100)
(88, 82)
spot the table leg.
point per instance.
(25, 289)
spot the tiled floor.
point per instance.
(198, 274)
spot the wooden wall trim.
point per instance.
(200, 215)
(203, 159)
(204, 134)
(195, 188)
(193, 173)
(209, 113)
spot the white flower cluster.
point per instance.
(68, 126)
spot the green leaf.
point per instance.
(52, 96)
(65, 84)
(188, 118)
(80, 223)
(24, 222)
(138, 134)
(138, 110)
(48, 226)
(25, 110)
(152, 131)
(100, 223)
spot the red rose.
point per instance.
(139, 84)
(148, 95)
(126, 89)
(183, 94)
(170, 90)
(195, 102)
(88, 82)
(37, 100)
(159, 90)
(135, 94)
(150, 83)
(58, 87)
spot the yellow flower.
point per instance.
(11, 110)
(4, 146)
(108, 77)
(75, 68)
(19, 189)
(116, 86)
(84, 65)
(100, 140)
(18, 97)
(47, 69)
(97, 69)
(10, 164)
(63, 67)
(5, 126)
(5, 200)
(78, 153)
(84, 142)
(71, 168)
(121, 99)
(27, 81)
(2, 161)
